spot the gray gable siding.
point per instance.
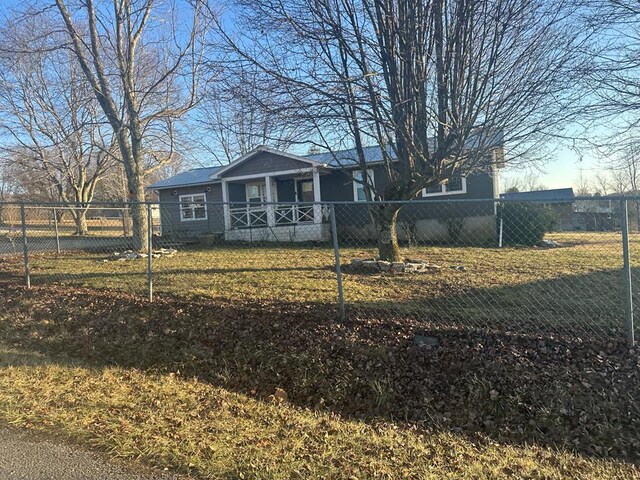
(170, 211)
(264, 162)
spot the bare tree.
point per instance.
(237, 114)
(439, 84)
(56, 138)
(141, 58)
(583, 186)
(613, 72)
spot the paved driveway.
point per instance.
(29, 457)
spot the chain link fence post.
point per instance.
(149, 252)
(336, 252)
(55, 226)
(628, 304)
(25, 247)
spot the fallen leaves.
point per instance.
(514, 388)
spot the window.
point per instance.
(455, 186)
(256, 193)
(358, 187)
(305, 190)
(193, 207)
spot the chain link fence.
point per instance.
(562, 269)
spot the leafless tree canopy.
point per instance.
(238, 112)
(55, 136)
(141, 59)
(436, 82)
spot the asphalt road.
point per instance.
(24, 456)
(13, 245)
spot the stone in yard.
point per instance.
(432, 268)
(415, 260)
(413, 267)
(384, 266)
(425, 341)
(356, 262)
(548, 244)
(370, 264)
(397, 267)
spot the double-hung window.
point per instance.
(193, 207)
(359, 194)
(455, 186)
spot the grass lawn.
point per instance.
(575, 289)
(180, 423)
(175, 386)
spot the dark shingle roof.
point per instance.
(555, 195)
(196, 176)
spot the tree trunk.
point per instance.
(139, 217)
(80, 219)
(385, 218)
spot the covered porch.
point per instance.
(275, 206)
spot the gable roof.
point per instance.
(195, 176)
(555, 195)
(263, 149)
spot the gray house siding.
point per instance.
(430, 218)
(265, 162)
(170, 211)
(336, 187)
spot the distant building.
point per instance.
(560, 200)
(573, 215)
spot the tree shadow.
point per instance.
(521, 386)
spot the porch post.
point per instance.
(225, 206)
(317, 208)
(271, 213)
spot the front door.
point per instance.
(256, 193)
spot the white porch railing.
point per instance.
(258, 216)
(248, 217)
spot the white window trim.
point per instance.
(443, 190)
(191, 195)
(357, 185)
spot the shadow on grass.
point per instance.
(533, 387)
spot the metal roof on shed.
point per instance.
(555, 195)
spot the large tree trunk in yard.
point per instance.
(385, 219)
(80, 219)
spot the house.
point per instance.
(269, 194)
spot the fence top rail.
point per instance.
(422, 201)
